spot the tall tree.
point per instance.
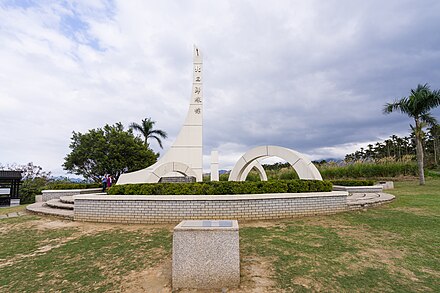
(33, 180)
(417, 106)
(28, 171)
(433, 143)
(147, 131)
(107, 150)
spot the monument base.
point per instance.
(178, 179)
(206, 255)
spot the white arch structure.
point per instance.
(303, 167)
(257, 166)
(178, 167)
(186, 154)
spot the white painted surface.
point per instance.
(5, 190)
(214, 166)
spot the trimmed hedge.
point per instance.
(222, 187)
(60, 186)
(353, 182)
(31, 187)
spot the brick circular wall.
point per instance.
(174, 208)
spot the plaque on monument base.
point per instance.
(206, 255)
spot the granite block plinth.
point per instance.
(206, 254)
(387, 184)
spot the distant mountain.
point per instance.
(220, 172)
(62, 178)
(329, 160)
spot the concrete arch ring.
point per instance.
(257, 166)
(303, 167)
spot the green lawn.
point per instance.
(393, 248)
(21, 208)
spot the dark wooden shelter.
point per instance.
(9, 180)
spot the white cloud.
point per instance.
(311, 76)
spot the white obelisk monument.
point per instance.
(186, 154)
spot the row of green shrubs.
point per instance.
(31, 187)
(366, 170)
(225, 187)
(61, 186)
(353, 182)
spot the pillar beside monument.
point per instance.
(214, 166)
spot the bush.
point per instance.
(31, 187)
(369, 170)
(288, 175)
(432, 174)
(353, 182)
(223, 187)
(253, 176)
(60, 186)
(224, 177)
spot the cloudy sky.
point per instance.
(308, 75)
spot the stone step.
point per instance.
(359, 200)
(67, 199)
(42, 209)
(359, 189)
(57, 204)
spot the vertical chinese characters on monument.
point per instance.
(198, 88)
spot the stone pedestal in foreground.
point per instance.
(387, 184)
(206, 254)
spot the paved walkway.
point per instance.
(42, 209)
(363, 200)
(12, 215)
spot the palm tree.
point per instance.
(147, 131)
(417, 106)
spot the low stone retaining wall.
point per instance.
(172, 209)
(359, 189)
(56, 194)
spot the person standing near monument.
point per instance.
(109, 181)
(104, 183)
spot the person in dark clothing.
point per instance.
(104, 183)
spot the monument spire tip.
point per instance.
(197, 52)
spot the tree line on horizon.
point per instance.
(399, 148)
